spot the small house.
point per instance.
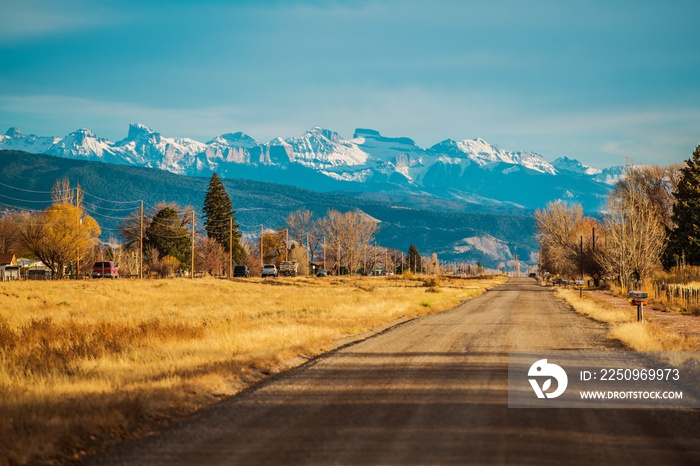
(9, 270)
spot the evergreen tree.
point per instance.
(168, 234)
(684, 241)
(218, 211)
(414, 264)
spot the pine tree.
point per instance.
(218, 211)
(684, 240)
(169, 236)
(414, 263)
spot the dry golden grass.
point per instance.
(649, 336)
(84, 363)
(594, 309)
(639, 336)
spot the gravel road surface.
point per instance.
(430, 391)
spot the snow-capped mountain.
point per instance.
(484, 154)
(471, 168)
(13, 139)
(572, 165)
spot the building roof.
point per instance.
(8, 259)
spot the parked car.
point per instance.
(269, 270)
(241, 271)
(322, 273)
(106, 269)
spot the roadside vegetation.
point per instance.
(83, 362)
(639, 336)
(647, 240)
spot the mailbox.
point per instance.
(639, 299)
(638, 295)
(579, 283)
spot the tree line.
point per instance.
(162, 239)
(651, 221)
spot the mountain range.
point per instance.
(112, 192)
(472, 173)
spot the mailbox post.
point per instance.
(639, 299)
(579, 285)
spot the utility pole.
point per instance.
(364, 260)
(324, 253)
(77, 249)
(581, 257)
(141, 241)
(261, 246)
(230, 247)
(192, 258)
(286, 244)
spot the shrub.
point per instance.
(432, 282)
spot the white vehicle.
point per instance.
(289, 268)
(269, 270)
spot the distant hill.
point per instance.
(112, 189)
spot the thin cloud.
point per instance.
(30, 19)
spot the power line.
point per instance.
(93, 212)
(20, 209)
(110, 200)
(121, 209)
(25, 190)
(25, 200)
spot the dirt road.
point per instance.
(431, 391)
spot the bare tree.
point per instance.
(10, 240)
(210, 256)
(556, 229)
(252, 259)
(655, 183)
(62, 193)
(298, 254)
(635, 235)
(300, 223)
(347, 235)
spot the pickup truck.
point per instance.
(269, 270)
(289, 268)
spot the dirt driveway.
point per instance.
(431, 391)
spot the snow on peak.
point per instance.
(368, 155)
(483, 153)
(138, 130)
(374, 137)
(318, 131)
(238, 139)
(573, 165)
(13, 139)
(14, 133)
(322, 148)
(82, 143)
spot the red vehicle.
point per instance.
(105, 269)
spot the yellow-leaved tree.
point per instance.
(59, 235)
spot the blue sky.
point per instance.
(601, 81)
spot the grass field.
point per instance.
(85, 363)
(639, 336)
